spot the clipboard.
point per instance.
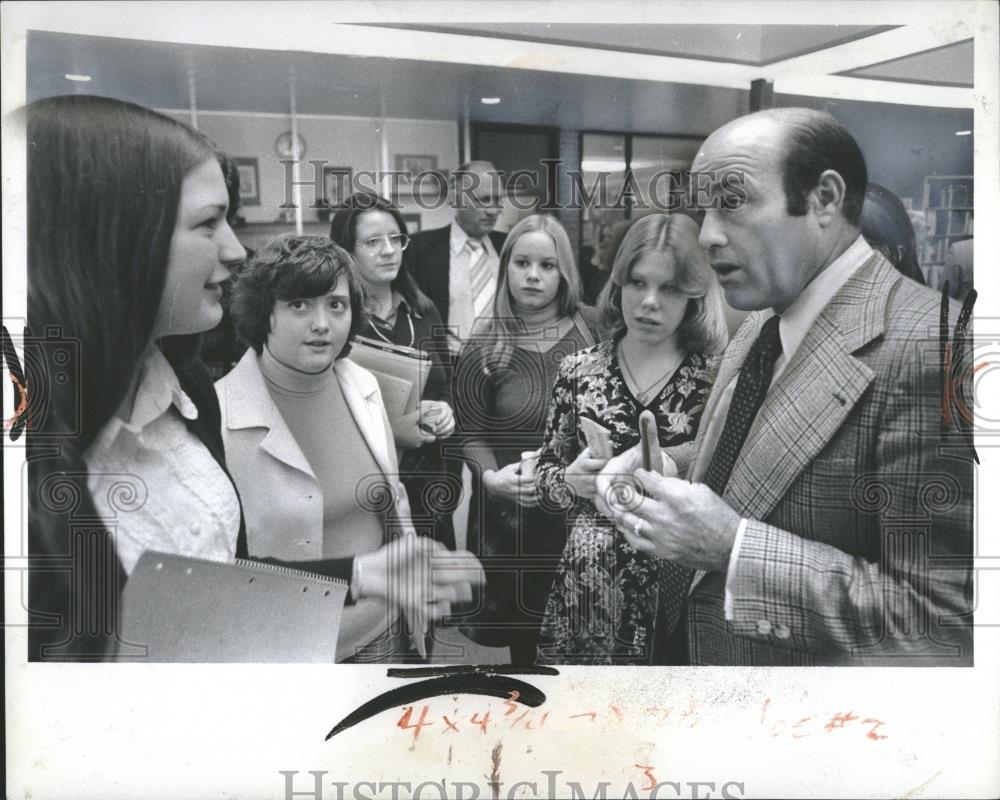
(181, 609)
(401, 372)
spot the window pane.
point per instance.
(659, 165)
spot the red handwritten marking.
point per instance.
(772, 727)
(482, 723)
(796, 727)
(545, 716)
(839, 721)
(518, 719)
(511, 703)
(404, 721)
(648, 772)
(871, 734)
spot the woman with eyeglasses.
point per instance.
(128, 244)
(373, 230)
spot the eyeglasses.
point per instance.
(396, 240)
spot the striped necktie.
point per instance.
(481, 278)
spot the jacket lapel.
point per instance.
(249, 405)
(363, 402)
(814, 394)
(800, 414)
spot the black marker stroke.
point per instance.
(488, 681)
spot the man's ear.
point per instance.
(827, 199)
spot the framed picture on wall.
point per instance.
(412, 223)
(249, 180)
(413, 165)
(336, 185)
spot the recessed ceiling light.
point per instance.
(489, 101)
(963, 133)
(73, 76)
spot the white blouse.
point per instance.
(155, 484)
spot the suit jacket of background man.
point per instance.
(859, 542)
(428, 259)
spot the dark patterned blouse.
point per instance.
(607, 598)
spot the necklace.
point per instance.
(645, 395)
(374, 326)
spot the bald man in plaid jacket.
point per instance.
(828, 517)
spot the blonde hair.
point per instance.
(505, 320)
(703, 329)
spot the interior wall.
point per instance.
(339, 141)
(902, 144)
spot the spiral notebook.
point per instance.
(181, 609)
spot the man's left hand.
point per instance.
(680, 521)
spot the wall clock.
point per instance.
(283, 145)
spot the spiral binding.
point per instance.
(290, 572)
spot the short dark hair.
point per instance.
(287, 268)
(816, 142)
(887, 228)
(344, 231)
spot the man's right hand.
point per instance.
(616, 487)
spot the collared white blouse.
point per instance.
(155, 484)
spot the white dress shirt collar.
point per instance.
(459, 237)
(803, 312)
(158, 390)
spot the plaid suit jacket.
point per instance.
(859, 542)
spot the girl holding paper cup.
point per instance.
(610, 604)
(373, 231)
(503, 378)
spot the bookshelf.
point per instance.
(948, 209)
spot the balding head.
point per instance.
(477, 197)
(810, 142)
(787, 188)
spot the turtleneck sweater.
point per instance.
(313, 407)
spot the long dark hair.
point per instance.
(344, 231)
(104, 185)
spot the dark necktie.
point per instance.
(751, 387)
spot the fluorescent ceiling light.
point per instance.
(963, 133)
(602, 165)
(489, 101)
(73, 76)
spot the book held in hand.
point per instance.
(401, 372)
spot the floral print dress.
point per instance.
(607, 598)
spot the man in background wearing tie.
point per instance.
(829, 517)
(456, 266)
